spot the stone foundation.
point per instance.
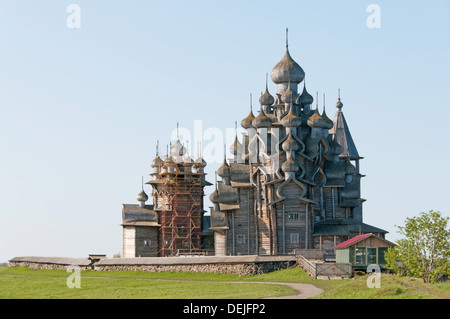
(44, 265)
(239, 269)
(240, 265)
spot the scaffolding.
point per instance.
(182, 210)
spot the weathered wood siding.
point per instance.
(146, 241)
(129, 240)
(220, 243)
(301, 226)
(243, 222)
(343, 255)
(372, 242)
(326, 243)
(133, 241)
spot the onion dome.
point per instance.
(200, 162)
(290, 119)
(169, 160)
(266, 98)
(157, 161)
(305, 97)
(261, 120)
(235, 146)
(317, 121)
(287, 70)
(290, 144)
(177, 149)
(288, 95)
(214, 197)
(289, 166)
(142, 196)
(339, 104)
(247, 122)
(224, 170)
(187, 158)
(329, 122)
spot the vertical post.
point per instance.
(274, 217)
(284, 231)
(258, 193)
(269, 218)
(332, 199)
(233, 234)
(248, 221)
(322, 210)
(306, 227)
(256, 227)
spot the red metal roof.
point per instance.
(352, 240)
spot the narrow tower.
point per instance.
(178, 200)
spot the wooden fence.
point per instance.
(310, 253)
(323, 270)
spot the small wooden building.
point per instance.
(363, 250)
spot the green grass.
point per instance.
(391, 287)
(19, 282)
(23, 283)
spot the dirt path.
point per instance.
(305, 291)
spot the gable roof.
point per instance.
(352, 240)
(357, 239)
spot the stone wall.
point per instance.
(242, 266)
(243, 269)
(35, 265)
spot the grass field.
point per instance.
(23, 283)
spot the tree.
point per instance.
(425, 250)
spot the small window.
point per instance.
(294, 238)
(147, 243)
(381, 252)
(294, 216)
(240, 239)
(360, 255)
(371, 256)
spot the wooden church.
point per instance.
(294, 181)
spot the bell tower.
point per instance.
(178, 184)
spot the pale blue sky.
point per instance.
(81, 109)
